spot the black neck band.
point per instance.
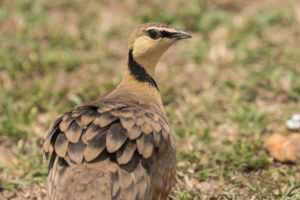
(139, 71)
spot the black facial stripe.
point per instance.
(139, 71)
(167, 34)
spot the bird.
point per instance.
(119, 146)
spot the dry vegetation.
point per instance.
(225, 91)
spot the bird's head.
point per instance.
(148, 42)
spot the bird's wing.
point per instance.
(125, 134)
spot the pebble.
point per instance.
(294, 122)
(296, 117)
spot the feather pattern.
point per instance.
(124, 134)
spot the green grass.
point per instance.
(225, 91)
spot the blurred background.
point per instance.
(225, 91)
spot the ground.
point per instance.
(225, 91)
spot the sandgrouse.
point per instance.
(120, 146)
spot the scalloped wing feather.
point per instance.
(121, 133)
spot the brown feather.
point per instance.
(165, 135)
(125, 153)
(106, 118)
(77, 112)
(61, 145)
(125, 178)
(100, 110)
(52, 131)
(145, 145)
(140, 121)
(141, 183)
(156, 117)
(127, 123)
(129, 193)
(75, 151)
(88, 116)
(147, 118)
(156, 126)
(106, 108)
(134, 132)
(73, 132)
(86, 119)
(64, 124)
(157, 138)
(115, 184)
(115, 113)
(48, 138)
(90, 132)
(146, 128)
(140, 113)
(126, 113)
(95, 146)
(116, 136)
(117, 196)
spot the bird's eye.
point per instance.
(152, 33)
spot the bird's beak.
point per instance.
(181, 35)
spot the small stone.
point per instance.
(296, 117)
(296, 125)
(291, 124)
